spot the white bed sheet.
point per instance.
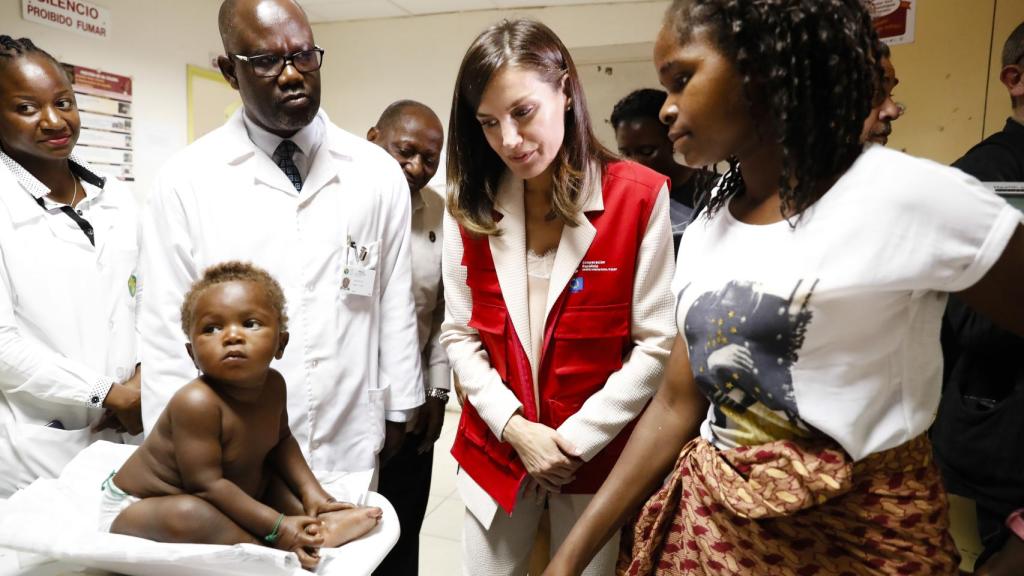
(51, 526)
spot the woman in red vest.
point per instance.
(557, 263)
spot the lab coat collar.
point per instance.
(238, 149)
(427, 197)
(25, 207)
(308, 139)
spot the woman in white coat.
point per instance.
(68, 252)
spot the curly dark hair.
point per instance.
(812, 65)
(642, 103)
(474, 169)
(234, 271)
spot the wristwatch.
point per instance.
(439, 393)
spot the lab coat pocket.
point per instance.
(363, 254)
(359, 277)
(30, 451)
(375, 413)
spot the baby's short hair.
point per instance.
(233, 271)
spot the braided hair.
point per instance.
(812, 66)
(12, 48)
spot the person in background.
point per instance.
(412, 134)
(556, 268)
(978, 431)
(68, 256)
(808, 315)
(886, 110)
(641, 137)
(322, 210)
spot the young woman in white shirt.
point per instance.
(557, 261)
(68, 251)
(810, 293)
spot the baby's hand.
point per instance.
(308, 557)
(299, 532)
(333, 506)
(317, 503)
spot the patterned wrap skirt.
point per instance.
(794, 508)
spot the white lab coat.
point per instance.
(67, 323)
(350, 358)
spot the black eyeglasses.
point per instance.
(271, 65)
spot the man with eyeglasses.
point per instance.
(326, 213)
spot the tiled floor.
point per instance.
(441, 536)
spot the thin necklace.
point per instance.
(75, 195)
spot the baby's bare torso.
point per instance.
(248, 431)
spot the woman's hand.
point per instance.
(548, 457)
(123, 407)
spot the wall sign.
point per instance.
(894, 20)
(105, 108)
(72, 15)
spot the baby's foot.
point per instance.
(342, 526)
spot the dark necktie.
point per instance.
(283, 159)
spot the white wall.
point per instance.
(606, 83)
(371, 63)
(151, 41)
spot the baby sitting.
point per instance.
(221, 465)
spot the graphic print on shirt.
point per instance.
(743, 342)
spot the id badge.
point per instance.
(356, 276)
(357, 279)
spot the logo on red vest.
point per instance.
(576, 285)
(597, 266)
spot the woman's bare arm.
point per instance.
(672, 419)
(999, 295)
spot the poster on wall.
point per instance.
(894, 20)
(105, 107)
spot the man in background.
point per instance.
(978, 431)
(412, 134)
(642, 138)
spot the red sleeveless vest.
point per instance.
(586, 336)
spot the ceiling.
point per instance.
(338, 10)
